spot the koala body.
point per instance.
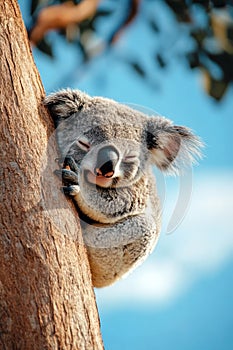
(109, 149)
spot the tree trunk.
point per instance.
(46, 296)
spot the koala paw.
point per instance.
(71, 190)
(69, 177)
(69, 173)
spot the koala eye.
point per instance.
(83, 143)
(131, 158)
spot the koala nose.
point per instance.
(107, 159)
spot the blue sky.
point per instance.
(182, 296)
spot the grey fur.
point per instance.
(120, 216)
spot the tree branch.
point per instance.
(61, 16)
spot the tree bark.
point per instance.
(46, 296)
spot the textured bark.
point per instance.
(46, 296)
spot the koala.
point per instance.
(108, 151)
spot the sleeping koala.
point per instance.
(108, 151)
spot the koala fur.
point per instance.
(108, 151)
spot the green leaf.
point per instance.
(83, 51)
(180, 9)
(193, 59)
(199, 35)
(214, 87)
(35, 4)
(45, 47)
(160, 60)
(218, 88)
(153, 25)
(138, 69)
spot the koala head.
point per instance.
(113, 145)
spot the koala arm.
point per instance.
(114, 250)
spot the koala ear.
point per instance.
(172, 147)
(64, 103)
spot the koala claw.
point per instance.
(69, 162)
(71, 190)
(69, 177)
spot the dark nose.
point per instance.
(107, 159)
